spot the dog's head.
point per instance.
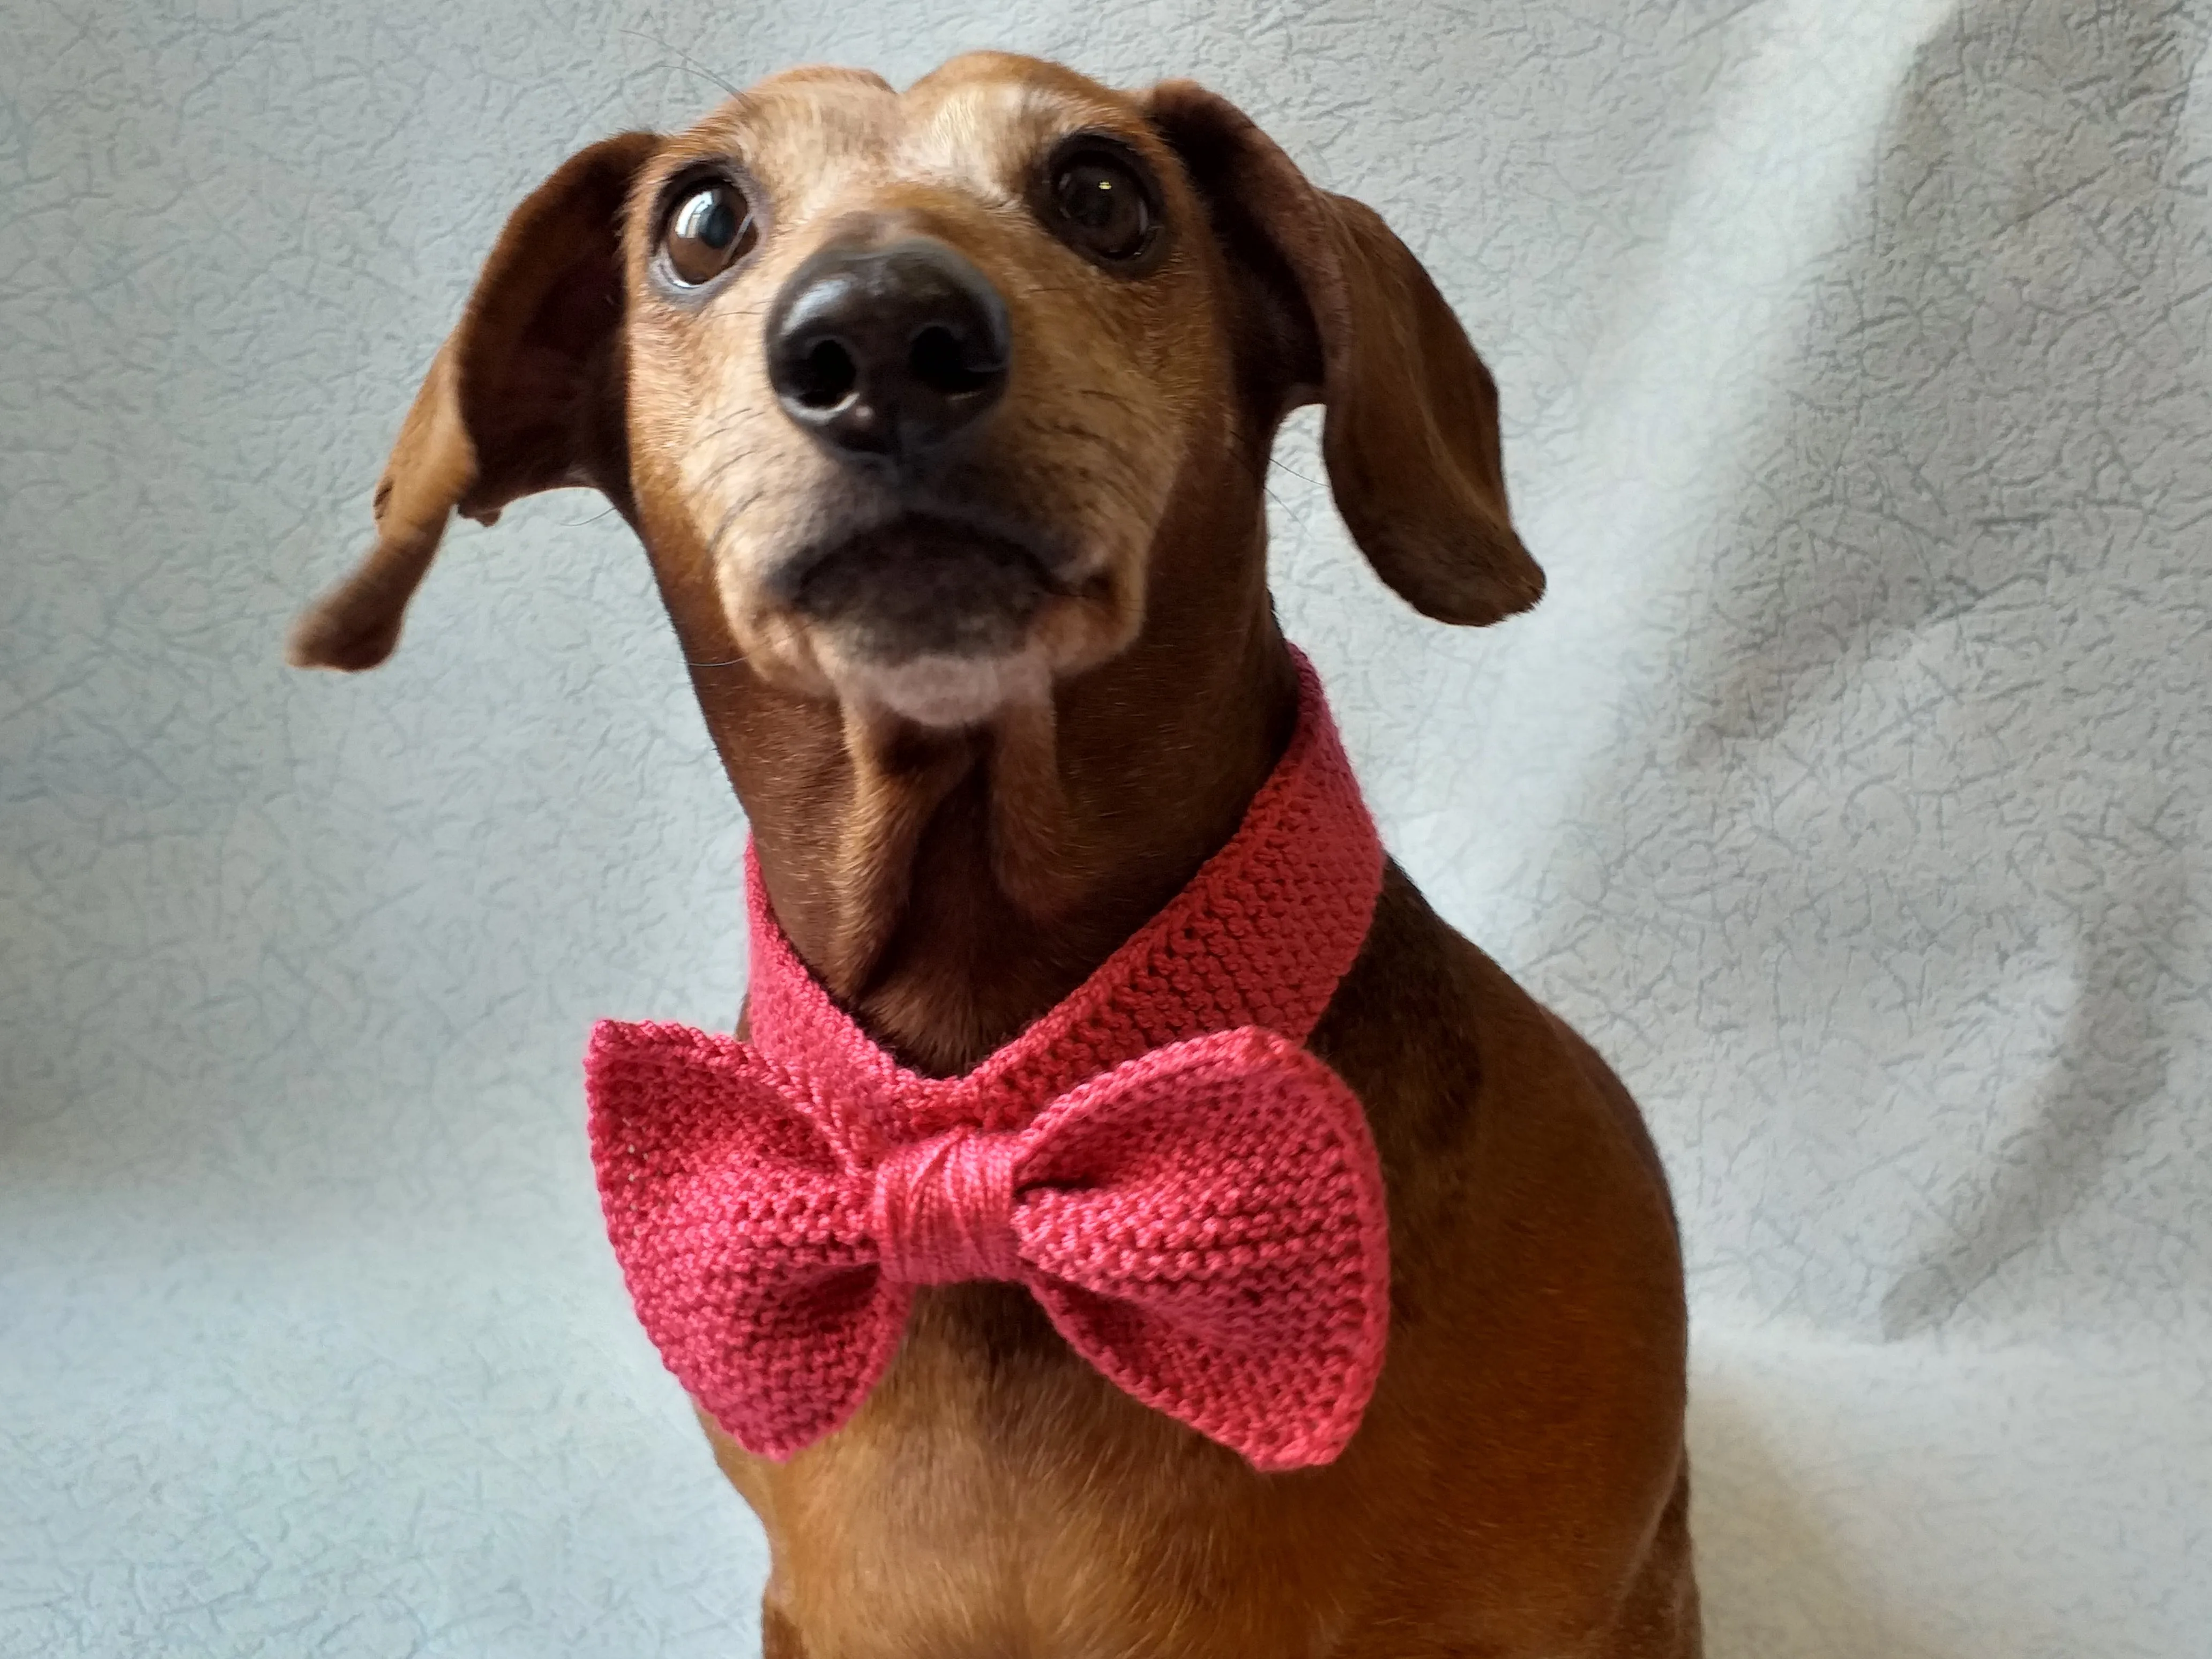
(902, 390)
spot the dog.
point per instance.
(944, 417)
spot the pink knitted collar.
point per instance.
(1193, 1198)
(1262, 936)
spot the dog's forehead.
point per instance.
(975, 125)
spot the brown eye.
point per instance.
(1105, 205)
(710, 231)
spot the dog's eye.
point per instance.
(711, 230)
(1105, 205)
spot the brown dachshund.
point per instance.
(989, 657)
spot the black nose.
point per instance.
(888, 352)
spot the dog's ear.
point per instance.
(1334, 308)
(526, 394)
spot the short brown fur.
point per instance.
(1518, 1486)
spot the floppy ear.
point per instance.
(526, 394)
(1333, 307)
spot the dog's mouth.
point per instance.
(922, 586)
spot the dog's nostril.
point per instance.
(826, 375)
(940, 362)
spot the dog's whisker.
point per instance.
(689, 63)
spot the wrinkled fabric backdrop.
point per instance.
(1850, 789)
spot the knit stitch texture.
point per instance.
(1193, 1198)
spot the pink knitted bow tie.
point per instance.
(1192, 1197)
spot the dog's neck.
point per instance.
(949, 888)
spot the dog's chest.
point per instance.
(997, 1496)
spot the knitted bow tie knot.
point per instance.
(1192, 1197)
(943, 1209)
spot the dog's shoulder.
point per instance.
(1462, 1071)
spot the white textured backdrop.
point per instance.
(1850, 789)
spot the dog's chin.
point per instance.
(939, 622)
(937, 689)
